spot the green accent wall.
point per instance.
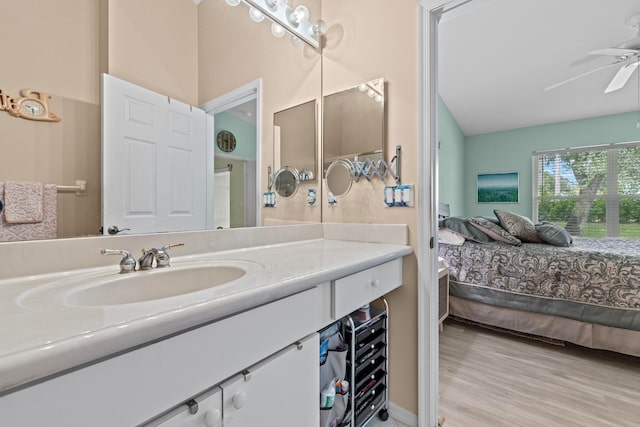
(511, 151)
(244, 132)
(451, 142)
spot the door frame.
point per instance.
(429, 14)
(237, 96)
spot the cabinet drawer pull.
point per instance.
(239, 399)
(212, 417)
(375, 283)
(193, 406)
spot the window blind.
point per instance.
(591, 191)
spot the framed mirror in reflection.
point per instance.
(295, 141)
(353, 123)
(131, 41)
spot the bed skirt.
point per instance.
(590, 335)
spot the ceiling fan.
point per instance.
(626, 54)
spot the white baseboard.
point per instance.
(398, 413)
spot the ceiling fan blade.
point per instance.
(621, 77)
(584, 60)
(614, 51)
(581, 75)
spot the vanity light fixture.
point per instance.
(277, 30)
(371, 91)
(295, 20)
(256, 15)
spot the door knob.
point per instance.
(113, 230)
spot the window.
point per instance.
(591, 191)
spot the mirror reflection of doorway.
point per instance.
(235, 170)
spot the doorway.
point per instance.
(233, 123)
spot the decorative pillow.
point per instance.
(553, 234)
(494, 231)
(492, 219)
(461, 226)
(450, 237)
(518, 225)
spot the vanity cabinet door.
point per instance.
(208, 413)
(279, 391)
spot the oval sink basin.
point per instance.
(141, 286)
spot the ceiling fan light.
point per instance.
(233, 2)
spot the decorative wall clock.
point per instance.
(32, 105)
(226, 141)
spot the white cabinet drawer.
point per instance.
(208, 413)
(358, 289)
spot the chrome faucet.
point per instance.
(128, 262)
(161, 256)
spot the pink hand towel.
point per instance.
(47, 229)
(23, 202)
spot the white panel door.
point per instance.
(153, 160)
(280, 391)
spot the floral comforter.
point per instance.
(596, 280)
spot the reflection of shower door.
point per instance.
(222, 204)
(153, 160)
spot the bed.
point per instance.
(587, 294)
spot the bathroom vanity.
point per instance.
(241, 352)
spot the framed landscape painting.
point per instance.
(498, 187)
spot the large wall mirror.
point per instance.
(353, 123)
(174, 47)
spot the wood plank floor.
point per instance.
(488, 378)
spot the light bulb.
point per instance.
(297, 15)
(277, 30)
(233, 2)
(271, 4)
(379, 98)
(319, 28)
(296, 41)
(256, 15)
(362, 87)
(371, 93)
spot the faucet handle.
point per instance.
(127, 263)
(162, 256)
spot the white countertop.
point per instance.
(41, 335)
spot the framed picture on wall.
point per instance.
(498, 187)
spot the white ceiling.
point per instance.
(496, 60)
(245, 112)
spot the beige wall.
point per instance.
(233, 51)
(154, 44)
(369, 39)
(53, 47)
